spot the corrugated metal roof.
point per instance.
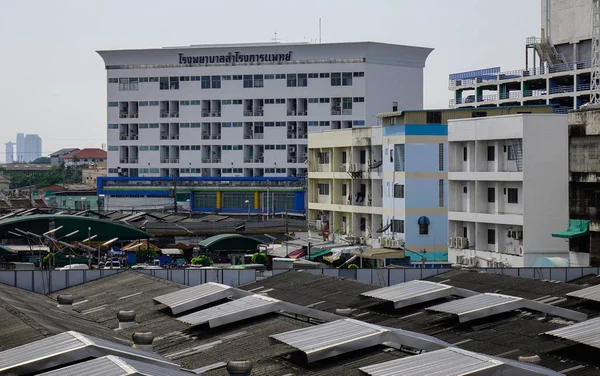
(66, 348)
(45, 348)
(409, 291)
(333, 338)
(587, 332)
(115, 366)
(193, 297)
(104, 366)
(484, 305)
(589, 293)
(454, 361)
(479, 306)
(236, 310)
(446, 362)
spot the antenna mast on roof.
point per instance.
(595, 84)
(319, 29)
(274, 37)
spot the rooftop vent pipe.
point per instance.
(143, 340)
(239, 367)
(65, 302)
(531, 359)
(346, 312)
(126, 319)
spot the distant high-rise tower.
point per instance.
(10, 152)
(33, 147)
(20, 147)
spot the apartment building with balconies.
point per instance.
(508, 190)
(557, 65)
(345, 183)
(382, 186)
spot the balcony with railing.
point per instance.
(519, 73)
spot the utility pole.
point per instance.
(175, 192)
(286, 221)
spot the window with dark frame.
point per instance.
(491, 153)
(336, 79)
(491, 236)
(398, 190)
(491, 194)
(434, 117)
(292, 80)
(513, 195)
(398, 226)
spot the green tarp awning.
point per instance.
(319, 254)
(576, 229)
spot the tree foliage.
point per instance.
(145, 255)
(260, 258)
(48, 259)
(202, 260)
(55, 175)
(41, 160)
(352, 266)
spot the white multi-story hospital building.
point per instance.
(244, 110)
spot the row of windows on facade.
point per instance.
(397, 226)
(249, 80)
(323, 190)
(491, 153)
(345, 101)
(239, 124)
(199, 147)
(435, 117)
(511, 193)
(239, 200)
(199, 170)
(398, 157)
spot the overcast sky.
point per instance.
(54, 83)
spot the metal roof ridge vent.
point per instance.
(143, 340)
(65, 302)
(126, 319)
(239, 367)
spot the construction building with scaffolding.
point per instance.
(558, 65)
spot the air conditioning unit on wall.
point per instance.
(454, 242)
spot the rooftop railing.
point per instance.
(520, 73)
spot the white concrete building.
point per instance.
(508, 190)
(246, 109)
